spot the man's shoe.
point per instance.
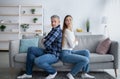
(85, 75)
(24, 76)
(51, 76)
(70, 76)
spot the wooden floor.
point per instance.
(6, 73)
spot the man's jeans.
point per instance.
(80, 58)
(38, 57)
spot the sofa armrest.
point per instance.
(13, 49)
(114, 50)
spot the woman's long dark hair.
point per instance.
(64, 28)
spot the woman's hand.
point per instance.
(76, 41)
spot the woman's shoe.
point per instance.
(51, 76)
(24, 76)
(70, 76)
(85, 75)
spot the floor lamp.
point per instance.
(104, 22)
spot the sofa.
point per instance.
(90, 42)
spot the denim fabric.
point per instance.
(37, 56)
(45, 62)
(79, 58)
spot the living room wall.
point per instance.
(80, 10)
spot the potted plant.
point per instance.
(2, 27)
(88, 25)
(35, 20)
(33, 11)
(25, 27)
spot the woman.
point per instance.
(79, 58)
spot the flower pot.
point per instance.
(33, 12)
(88, 29)
(35, 21)
(24, 30)
(87, 25)
(2, 30)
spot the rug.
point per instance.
(62, 75)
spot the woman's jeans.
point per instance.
(79, 58)
(38, 57)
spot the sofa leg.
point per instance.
(12, 72)
(115, 70)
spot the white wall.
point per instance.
(112, 11)
(80, 10)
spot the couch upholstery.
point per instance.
(90, 42)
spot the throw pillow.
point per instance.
(26, 43)
(103, 46)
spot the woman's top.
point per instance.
(69, 40)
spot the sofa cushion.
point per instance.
(103, 46)
(39, 42)
(26, 43)
(21, 58)
(98, 58)
(94, 58)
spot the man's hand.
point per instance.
(43, 40)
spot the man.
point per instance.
(43, 58)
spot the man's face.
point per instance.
(55, 22)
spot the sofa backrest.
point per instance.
(89, 42)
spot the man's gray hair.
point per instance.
(55, 16)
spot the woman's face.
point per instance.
(68, 21)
